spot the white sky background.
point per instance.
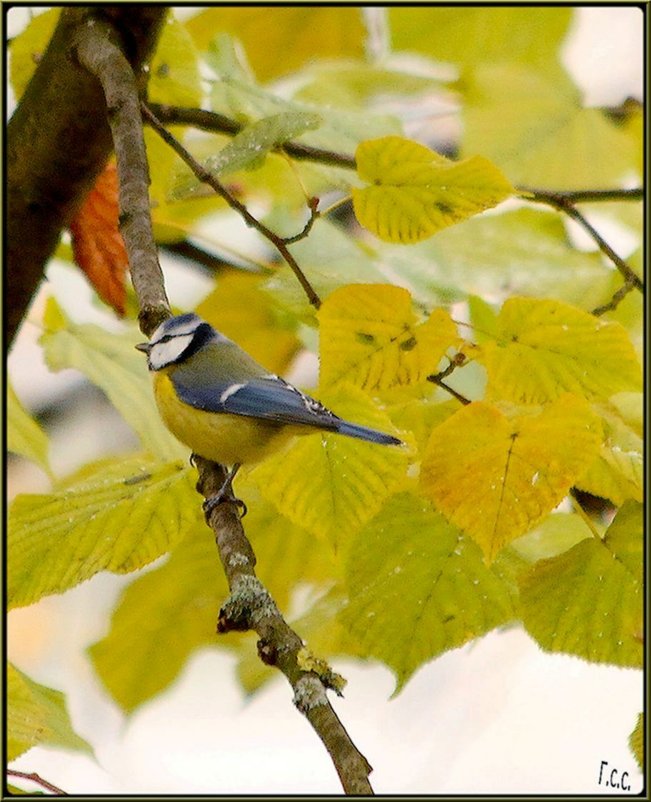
(495, 716)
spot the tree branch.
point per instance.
(564, 202)
(220, 124)
(584, 195)
(250, 606)
(206, 177)
(36, 778)
(99, 52)
(58, 141)
(458, 360)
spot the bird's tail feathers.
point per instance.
(364, 433)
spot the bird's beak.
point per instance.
(144, 347)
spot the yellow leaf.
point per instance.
(28, 48)
(495, 477)
(278, 40)
(544, 348)
(332, 485)
(115, 515)
(174, 70)
(416, 192)
(370, 337)
(243, 312)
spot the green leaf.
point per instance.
(418, 587)
(37, 715)
(24, 435)
(259, 138)
(237, 95)
(355, 85)
(331, 259)
(617, 474)
(470, 35)
(248, 148)
(532, 126)
(115, 515)
(545, 348)
(370, 337)
(332, 485)
(554, 535)
(496, 476)
(28, 48)
(414, 192)
(162, 618)
(625, 538)
(288, 556)
(521, 252)
(588, 600)
(636, 741)
(174, 76)
(111, 362)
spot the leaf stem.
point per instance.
(206, 177)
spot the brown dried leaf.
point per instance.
(97, 244)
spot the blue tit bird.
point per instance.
(227, 408)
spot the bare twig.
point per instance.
(313, 204)
(219, 124)
(250, 606)
(437, 378)
(614, 302)
(206, 177)
(34, 777)
(584, 195)
(99, 51)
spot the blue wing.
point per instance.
(267, 398)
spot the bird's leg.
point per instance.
(224, 494)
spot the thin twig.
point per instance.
(219, 124)
(34, 777)
(614, 302)
(585, 195)
(560, 201)
(313, 204)
(206, 177)
(250, 607)
(437, 378)
(99, 52)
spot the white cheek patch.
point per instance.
(168, 352)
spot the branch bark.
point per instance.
(58, 141)
(98, 50)
(251, 607)
(97, 47)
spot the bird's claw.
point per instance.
(225, 495)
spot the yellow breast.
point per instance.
(220, 437)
